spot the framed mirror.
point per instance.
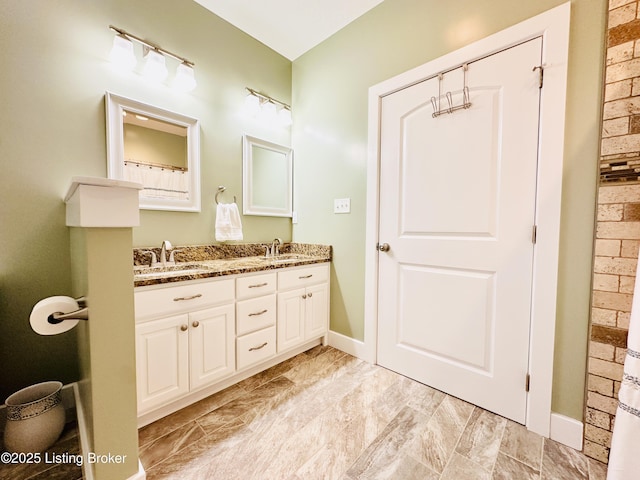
(267, 178)
(157, 148)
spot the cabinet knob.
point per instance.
(195, 324)
(184, 328)
(304, 296)
(310, 295)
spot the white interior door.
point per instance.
(457, 208)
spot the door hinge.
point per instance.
(534, 234)
(527, 382)
(540, 69)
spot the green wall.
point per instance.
(330, 87)
(55, 72)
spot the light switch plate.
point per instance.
(342, 205)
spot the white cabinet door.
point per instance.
(162, 361)
(291, 318)
(316, 311)
(212, 344)
(303, 314)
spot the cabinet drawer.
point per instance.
(255, 347)
(255, 285)
(255, 313)
(300, 277)
(185, 297)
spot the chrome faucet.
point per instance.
(275, 247)
(154, 260)
(166, 245)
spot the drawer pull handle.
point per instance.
(306, 276)
(258, 313)
(184, 328)
(195, 324)
(180, 299)
(258, 348)
(258, 285)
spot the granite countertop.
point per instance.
(198, 262)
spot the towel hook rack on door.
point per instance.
(221, 189)
(466, 103)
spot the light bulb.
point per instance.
(251, 105)
(155, 68)
(284, 116)
(185, 79)
(122, 53)
(268, 112)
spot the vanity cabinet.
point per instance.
(197, 337)
(303, 305)
(179, 353)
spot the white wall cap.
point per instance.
(99, 182)
(102, 202)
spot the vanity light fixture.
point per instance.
(284, 116)
(268, 112)
(252, 105)
(155, 69)
(122, 53)
(266, 108)
(185, 79)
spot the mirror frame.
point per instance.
(114, 106)
(248, 207)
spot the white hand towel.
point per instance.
(624, 461)
(228, 224)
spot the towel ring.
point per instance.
(220, 190)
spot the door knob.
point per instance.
(384, 247)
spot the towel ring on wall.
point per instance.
(221, 189)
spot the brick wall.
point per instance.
(618, 226)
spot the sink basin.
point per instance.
(167, 271)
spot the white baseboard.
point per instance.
(83, 433)
(566, 430)
(348, 345)
(140, 475)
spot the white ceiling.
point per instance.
(290, 27)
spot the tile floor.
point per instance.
(327, 415)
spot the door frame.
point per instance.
(553, 27)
